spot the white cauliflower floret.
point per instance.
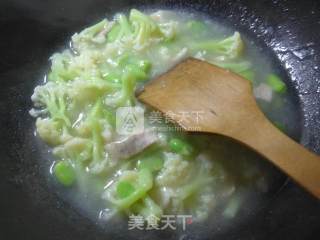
(84, 129)
(175, 171)
(50, 131)
(85, 91)
(95, 34)
(176, 193)
(87, 60)
(74, 149)
(43, 92)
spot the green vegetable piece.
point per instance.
(90, 36)
(125, 25)
(231, 47)
(126, 97)
(145, 65)
(136, 72)
(276, 83)
(92, 31)
(138, 66)
(152, 163)
(142, 185)
(134, 67)
(121, 29)
(128, 86)
(64, 173)
(248, 74)
(144, 26)
(124, 189)
(60, 70)
(113, 77)
(179, 146)
(123, 60)
(114, 32)
(93, 128)
(235, 67)
(110, 116)
(197, 26)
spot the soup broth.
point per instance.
(107, 172)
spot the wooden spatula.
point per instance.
(228, 108)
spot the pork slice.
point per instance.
(131, 145)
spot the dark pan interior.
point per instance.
(30, 31)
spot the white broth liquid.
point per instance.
(239, 182)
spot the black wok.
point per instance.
(30, 31)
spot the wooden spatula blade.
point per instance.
(227, 107)
(178, 91)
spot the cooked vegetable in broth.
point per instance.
(159, 170)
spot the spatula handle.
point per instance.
(292, 158)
